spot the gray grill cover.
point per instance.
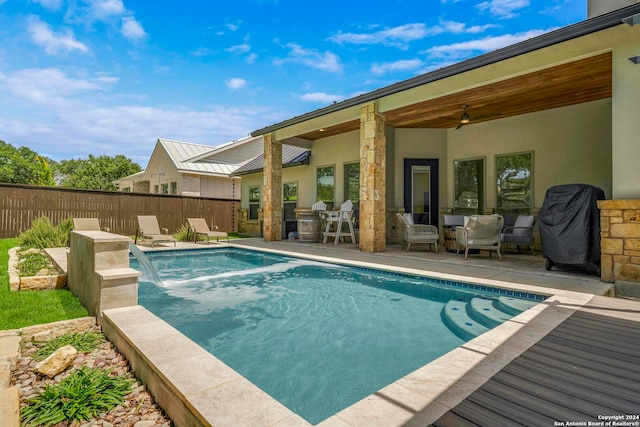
(569, 222)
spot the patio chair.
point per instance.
(417, 233)
(344, 215)
(88, 224)
(521, 232)
(199, 227)
(480, 232)
(148, 229)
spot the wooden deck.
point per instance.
(588, 366)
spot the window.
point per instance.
(165, 188)
(127, 189)
(156, 189)
(469, 187)
(290, 199)
(174, 188)
(513, 180)
(352, 182)
(352, 188)
(326, 185)
(254, 201)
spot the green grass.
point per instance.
(25, 308)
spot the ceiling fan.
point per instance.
(465, 118)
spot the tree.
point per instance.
(23, 166)
(95, 173)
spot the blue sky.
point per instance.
(80, 77)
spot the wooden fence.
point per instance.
(22, 203)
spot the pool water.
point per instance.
(317, 337)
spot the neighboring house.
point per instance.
(182, 168)
(489, 134)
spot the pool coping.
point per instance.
(196, 388)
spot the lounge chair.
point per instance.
(417, 233)
(480, 232)
(88, 224)
(521, 232)
(199, 227)
(148, 229)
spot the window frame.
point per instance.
(528, 200)
(330, 203)
(254, 205)
(480, 189)
(289, 215)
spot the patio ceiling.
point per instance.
(576, 82)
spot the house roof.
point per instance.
(182, 155)
(291, 156)
(564, 34)
(237, 152)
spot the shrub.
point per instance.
(32, 262)
(43, 234)
(83, 395)
(184, 234)
(83, 342)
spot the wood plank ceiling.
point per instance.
(576, 82)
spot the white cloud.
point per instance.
(102, 10)
(396, 36)
(503, 8)
(235, 83)
(52, 5)
(53, 42)
(453, 27)
(402, 35)
(325, 98)
(403, 65)
(132, 30)
(251, 58)
(326, 61)
(239, 48)
(49, 86)
(481, 45)
(69, 118)
(234, 26)
(202, 51)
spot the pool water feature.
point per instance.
(317, 337)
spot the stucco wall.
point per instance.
(335, 151)
(626, 143)
(418, 144)
(570, 145)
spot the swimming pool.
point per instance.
(317, 337)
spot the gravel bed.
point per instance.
(139, 409)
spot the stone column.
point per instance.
(372, 179)
(272, 189)
(620, 240)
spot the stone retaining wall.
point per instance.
(620, 240)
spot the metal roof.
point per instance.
(545, 40)
(291, 156)
(182, 152)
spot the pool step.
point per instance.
(455, 316)
(468, 320)
(514, 306)
(486, 311)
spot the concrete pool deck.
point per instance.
(195, 388)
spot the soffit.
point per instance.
(584, 80)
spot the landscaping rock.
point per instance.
(57, 362)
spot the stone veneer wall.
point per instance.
(620, 240)
(373, 228)
(248, 226)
